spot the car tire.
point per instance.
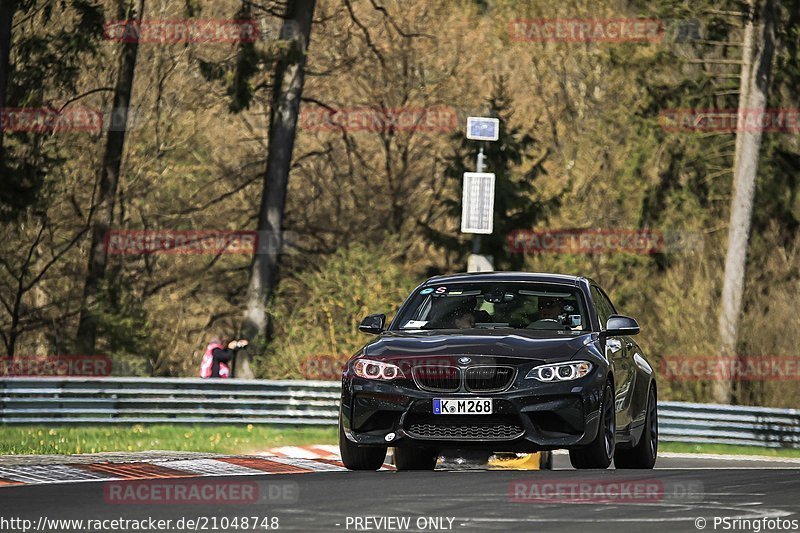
(355, 457)
(644, 454)
(600, 452)
(415, 458)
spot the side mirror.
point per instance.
(620, 325)
(372, 324)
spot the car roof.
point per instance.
(541, 277)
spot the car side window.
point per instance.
(607, 300)
(602, 306)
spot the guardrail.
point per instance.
(232, 401)
(729, 424)
(167, 400)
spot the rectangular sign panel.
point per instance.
(477, 203)
(483, 128)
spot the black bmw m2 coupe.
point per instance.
(500, 361)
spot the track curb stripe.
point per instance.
(33, 474)
(209, 467)
(280, 460)
(312, 465)
(265, 465)
(136, 470)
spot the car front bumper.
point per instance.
(531, 416)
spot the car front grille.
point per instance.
(481, 378)
(462, 427)
(488, 378)
(438, 378)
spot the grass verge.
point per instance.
(233, 439)
(726, 449)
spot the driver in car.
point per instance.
(463, 316)
(550, 311)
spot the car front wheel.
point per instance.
(599, 453)
(355, 457)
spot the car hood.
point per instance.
(522, 344)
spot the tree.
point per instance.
(7, 10)
(40, 67)
(103, 211)
(752, 97)
(287, 90)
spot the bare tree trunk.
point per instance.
(748, 50)
(109, 179)
(285, 106)
(7, 8)
(753, 97)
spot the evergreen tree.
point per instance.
(517, 160)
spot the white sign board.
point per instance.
(483, 128)
(477, 202)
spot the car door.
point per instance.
(617, 353)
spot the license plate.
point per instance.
(462, 406)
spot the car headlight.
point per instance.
(560, 371)
(368, 369)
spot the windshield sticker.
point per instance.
(414, 324)
(447, 291)
(545, 294)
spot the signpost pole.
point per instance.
(477, 208)
(476, 237)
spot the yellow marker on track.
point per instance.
(529, 461)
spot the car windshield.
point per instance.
(530, 306)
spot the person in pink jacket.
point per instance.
(217, 358)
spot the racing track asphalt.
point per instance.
(478, 500)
